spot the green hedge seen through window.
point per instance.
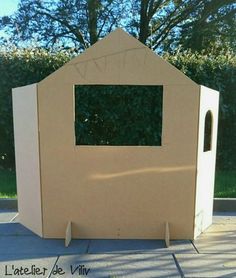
(118, 115)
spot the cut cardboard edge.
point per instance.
(167, 234)
(68, 234)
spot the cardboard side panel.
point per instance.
(26, 138)
(117, 192)
(209, 101)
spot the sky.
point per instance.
(8, 7)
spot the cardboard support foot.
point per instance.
(167, 234)
(68, 234)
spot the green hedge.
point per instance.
(118, 115)
(22, 67)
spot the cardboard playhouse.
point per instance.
(115, 192)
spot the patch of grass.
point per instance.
(225, 184)
(7, 184)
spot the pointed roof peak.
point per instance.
(119, 51)
(115, 42)
(118, 31)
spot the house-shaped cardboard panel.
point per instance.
(114, 191)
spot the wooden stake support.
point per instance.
(167, 234)
(68, 234)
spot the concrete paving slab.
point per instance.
(30, 245)
(224, 218)
(219, 228)
(119, 265)
(140, 246)
(18, 267)
(207, 265)
(14, 229)
(125, 258)
(181, 246)
(7, 215)
(219, 238)
(125, 246)
(216, 244)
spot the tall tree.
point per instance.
(76, 23)
(214, 24)
(160, 24)
(158, 19)
(163, 23)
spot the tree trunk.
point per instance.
(93, 6)
(144, 21)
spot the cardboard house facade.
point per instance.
(115, 191)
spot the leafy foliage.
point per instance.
(212, 25)
(225, 184)
(7, 183)
(118, 115)
(69, 23)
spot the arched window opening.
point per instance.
(208, 131)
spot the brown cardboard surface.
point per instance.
(118, 192)
(27, 156)
(114, 191)
(209, 101)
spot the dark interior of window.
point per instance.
(118, 115)
(208, 132)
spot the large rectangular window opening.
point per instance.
(118, 115)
